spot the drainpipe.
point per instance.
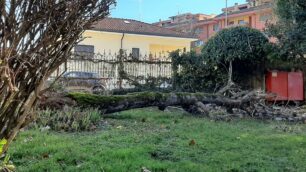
(121, 46)
(120, 70)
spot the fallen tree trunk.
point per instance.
(111, 104)
(213, 106)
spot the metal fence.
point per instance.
(109, 67)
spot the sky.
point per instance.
(151, 11)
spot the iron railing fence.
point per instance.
(120, 69)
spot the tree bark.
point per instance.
(250, 104)
(230, 73)
(111, 104)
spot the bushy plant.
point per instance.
(193, 72)
(5, 164)
(70, 119)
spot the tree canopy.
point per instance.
(290, 28)
(237, 43)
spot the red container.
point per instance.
(295, 86)
(285, 85)
(277, 83)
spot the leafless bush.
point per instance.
(36, 37)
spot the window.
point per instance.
(198, 43)
(242, 8)
(241, 22)
(265, 17)
(86, 51)
(71, 75)
(231, 23)
(216, 27)
(135, 53)
(198, 31)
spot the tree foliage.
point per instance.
(241, 45)
(237, 43)
(194, 72)
(289, 29)
(36, 36)
(208, 71)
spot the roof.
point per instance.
(269, 5)
(135, 27)
(180, 15)
(237, 5)
(234, 14)
(212, 20)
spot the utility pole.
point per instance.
(226, 14)
(140, 10)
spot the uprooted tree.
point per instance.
(36, 37)
(214, 106)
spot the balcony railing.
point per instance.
(246, 24)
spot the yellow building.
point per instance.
(146, 48)
(134, 37)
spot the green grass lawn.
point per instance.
(160, 141)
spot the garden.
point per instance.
(213, 116)
(173, 140)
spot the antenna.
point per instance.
(140, 10)
(178, 8)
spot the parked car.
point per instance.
(83, 81)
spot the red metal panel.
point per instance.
(277, 83)
(295, 86)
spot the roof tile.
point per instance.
(135, 27)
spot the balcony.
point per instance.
(245, 24)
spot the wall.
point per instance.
(236, 19)
(158, 49)
(261, 24)
(111, 42)
(253, 19)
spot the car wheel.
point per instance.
(98, 90)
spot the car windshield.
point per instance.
(82, 75)
(95, 75)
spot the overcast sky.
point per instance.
(152, 10)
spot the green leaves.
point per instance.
(3, 142)
(193, 72)
(238, 43)
(6, 165)
(290, 29)
(245, 47)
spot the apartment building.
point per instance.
(255, 14)
(183, 22)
